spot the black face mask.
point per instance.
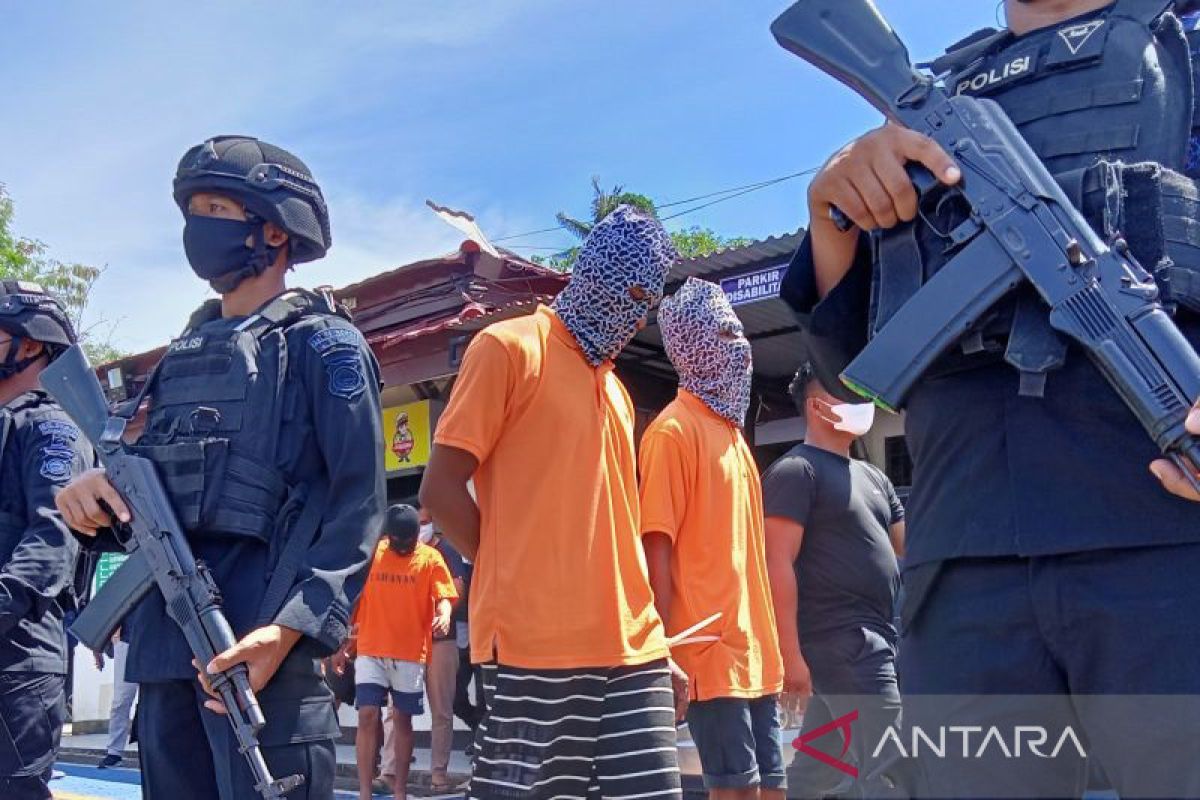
(216, 249)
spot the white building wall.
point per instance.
(93, 689)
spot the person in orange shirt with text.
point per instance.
(702, 527)
(562, 615)
(409, 595)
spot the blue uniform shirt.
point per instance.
(43, 450)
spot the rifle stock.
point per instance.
(852, 42)
(82, 399)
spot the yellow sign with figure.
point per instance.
(406, 435)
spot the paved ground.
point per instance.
(81, 782)
(91, 746)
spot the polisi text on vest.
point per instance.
(1018, 66)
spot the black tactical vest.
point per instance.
(215, 418)
(1091, 96)
(12, 525)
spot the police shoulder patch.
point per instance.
(331, 338)
(55, 467)
(345, 374)
(340, 352)
(59, 430)
(57, 448)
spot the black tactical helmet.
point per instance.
(27, 311)
(271, 182)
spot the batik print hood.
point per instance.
(708, 348)
(627, 253)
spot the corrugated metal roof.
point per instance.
(758, 253)
(473, 317)
(511, 260)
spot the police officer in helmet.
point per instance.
(40, 451)
(264, 420)
(1044, 557)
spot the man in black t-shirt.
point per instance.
(834, 529)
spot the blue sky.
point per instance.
(505, 109)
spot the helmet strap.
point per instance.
(11, 365)
(263, 257)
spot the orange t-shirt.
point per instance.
(396, 608)
(560, 579)
(701, 488)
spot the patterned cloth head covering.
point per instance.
(706, 344)
(629, 248)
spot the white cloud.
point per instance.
(370, 238)
(106, 112)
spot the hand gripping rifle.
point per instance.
(1020, 227)
(159, 555)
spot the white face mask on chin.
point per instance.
(855, 418)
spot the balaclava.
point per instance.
(708, 348)
(402, 526)
(628, 248)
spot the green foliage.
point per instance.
(563, 262)
(692, 242)
(101, 351)
(603, 204)
(695, 242)
(26, 259)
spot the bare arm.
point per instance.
(658, 561)
(783, 539)
(896, 534)
(444, 492)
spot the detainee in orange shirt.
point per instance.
(702, 527)
(409, 594)
(579, 688)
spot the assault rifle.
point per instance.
(159, 555)
(1018, 226)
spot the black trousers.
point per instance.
(1105, 643)
(190, 753)
(33, 707)
(470, 713)
(854, 684)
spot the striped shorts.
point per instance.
(579, 733)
